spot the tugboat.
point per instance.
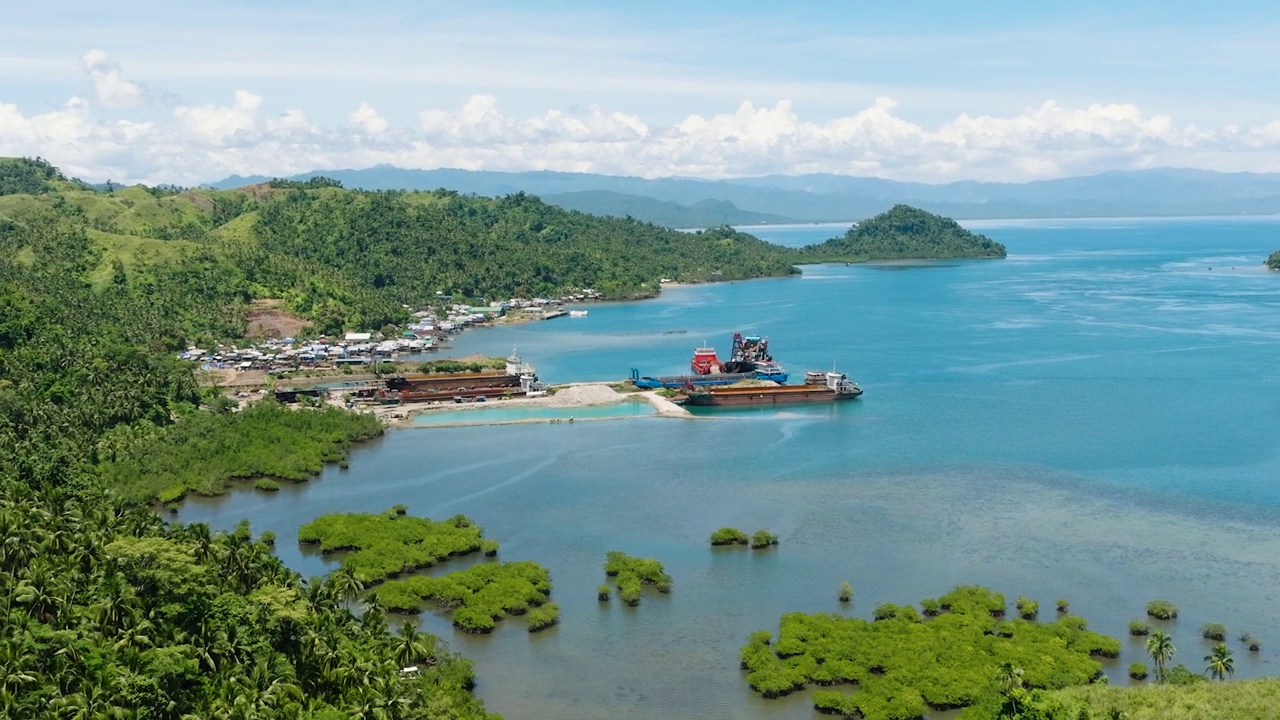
(817, 387)
(704, 361)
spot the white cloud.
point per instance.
(110, 88)
(368, 120)
(190, 144)
(219, 124)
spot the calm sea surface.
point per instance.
(1096, 417)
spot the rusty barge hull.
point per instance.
(441, 383)
(783, 395)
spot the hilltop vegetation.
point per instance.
(409, 245)
(32, 176)
(904, 232)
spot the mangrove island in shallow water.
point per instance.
(903, 664)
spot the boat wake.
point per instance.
(435, 512)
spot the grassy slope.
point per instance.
(18, 205)
(132, 251)
(237, 230)
(132, 214)
(1233, 700)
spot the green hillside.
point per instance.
(348, 259)
(905, 232)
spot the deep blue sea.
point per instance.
(1096, 417)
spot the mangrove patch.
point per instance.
(903, 664)
(479, 596)
(383, 545)
(630, 573)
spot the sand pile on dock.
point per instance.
(576, 395)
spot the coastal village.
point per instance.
(428, 330)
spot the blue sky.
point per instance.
(932, 91)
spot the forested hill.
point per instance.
(905, 232)
(1273, 262)
(22, 175)
(349, 259)
(409, 245)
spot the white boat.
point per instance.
(577, 313)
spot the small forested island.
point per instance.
(905, 233)
(478, 596)
(1273, 262)
(729, 536)
(630, 573)
(381, 546)
(733, 536)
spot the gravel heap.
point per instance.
(584, 395)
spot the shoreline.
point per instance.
(567, 396)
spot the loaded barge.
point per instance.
(817, 387)
(748, 360)
(770, 371)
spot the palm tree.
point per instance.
(1009, 678)
(1219, 663)
(344, 583)
(412, 646)
(1160, 648)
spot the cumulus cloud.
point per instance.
(368, 120)
(110, 89)
(189, 144)
(223, 124)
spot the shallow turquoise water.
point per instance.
(1096, 417)
(492, 415)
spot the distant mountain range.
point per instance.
(688, 202)
(704, 213)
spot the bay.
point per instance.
(1096, 417)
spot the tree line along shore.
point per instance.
(111, 609)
